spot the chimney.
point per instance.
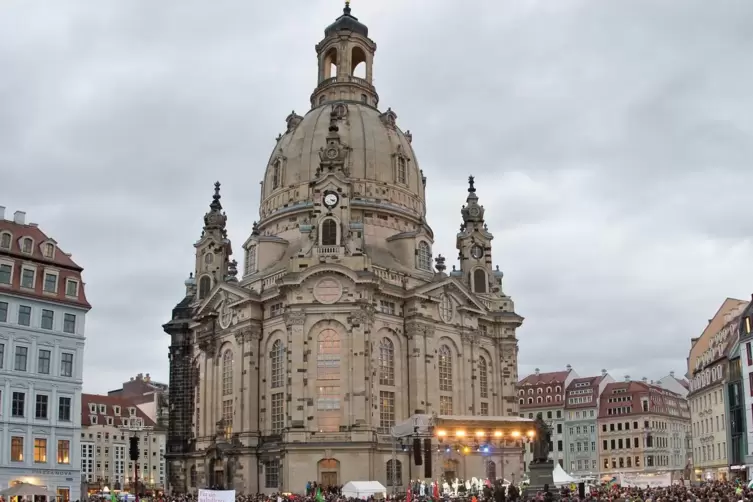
(672, 374)
(603, 373)
(19, 217)
(627, 378)
(537, 371)
(2, 213)
(568, 367)
(644, 379)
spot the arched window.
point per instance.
(276, 358)
(558, 389)
(521, 401)
(205, 285)
(193, 476)
(394, 473)
(483, 377)
(548, 399)
(530, 400)
(227, 373)
(521, 392)
(479, 281)
(539, 400)
(530, 391)
(328, 374)
(402, 170)
(445, 369)
(558, 398)
(5, 239)
(386, 362)
(539, 391)
(26, 245)
(491, 470)
(329, 232)
(548, 390)
(276, 173)
(423, 256)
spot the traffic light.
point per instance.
(134, 448)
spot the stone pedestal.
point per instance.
(540, 474)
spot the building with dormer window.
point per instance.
(42, 321)
(343, 320)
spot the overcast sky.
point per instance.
(612, 143)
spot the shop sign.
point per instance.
(716, 346)
(50, 472)
(707, 377)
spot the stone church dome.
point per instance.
(376, 150)
(346, 131)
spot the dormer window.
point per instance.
(116, 409)
(48, 250)
(5, 240)
(71, 288)
(93, 419)
(102, 409)
(27, 244)
(131, 411)
(92, 408)
(276, 173)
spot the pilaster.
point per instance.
(421, 349)
(361, 321)
(296, 353)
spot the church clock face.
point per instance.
(226, 315)
(477, 252)
(331, 199)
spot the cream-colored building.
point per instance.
(107, 424)
(708, 370)
(345, 320)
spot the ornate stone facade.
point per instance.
(342, 324)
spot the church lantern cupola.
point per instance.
(472, 212)
(346, 58)
(215, 219)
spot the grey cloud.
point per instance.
(611, 142)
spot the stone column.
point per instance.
(469, 400)
(296, 352)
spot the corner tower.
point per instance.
(213, 249)
(345, 49)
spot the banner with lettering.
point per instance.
(216, 495)
(646, 480)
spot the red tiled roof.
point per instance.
(109, 402)
(67, 268)
(545, 378)
(657, 395)
(593, 383)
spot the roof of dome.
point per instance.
(347, 22)
(373, 143)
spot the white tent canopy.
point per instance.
(364, 489)
(560, 477)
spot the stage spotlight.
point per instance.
(460, 433)
(497, 434)
(516, 434)
(466, 449)
(441, 433)
(531, 434)
(448, 449)
(480, 434)
(485, 449)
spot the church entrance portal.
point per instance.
(328, 472)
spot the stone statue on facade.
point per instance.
(540, 446)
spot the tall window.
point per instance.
(278, 412)
(445, 405)
(48, 319)
(394, 473)
(491, 471)
(69, 323)
(40, 451)
(328, 368)
(21, 356)
(192, 476)
(227, 373)
(64, 451)
(5, 241)
(424, 256)
(17, 449)
(41, 406)
(386, 362)
(205, 285)
(402, 170)
(386, 411)
(272, 474)
(479, 281)
(64, 409)
(277, 370)
(276, 173)
(329, 232)
(483, 377)
(445, 369)
(227, 416)
(66, 364)
(26, 245)
(251, 260)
